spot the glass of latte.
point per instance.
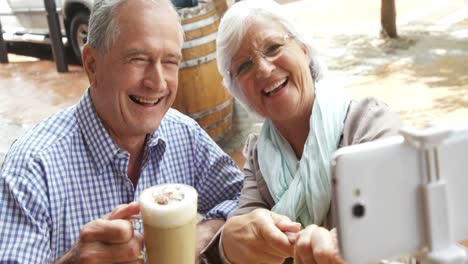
(169, 215)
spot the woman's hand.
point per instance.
(317, 245)
(258, 237)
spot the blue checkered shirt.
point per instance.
(67, 171)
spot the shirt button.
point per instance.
(120, 154)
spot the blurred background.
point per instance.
(411, 54)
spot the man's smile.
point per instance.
(144, 101)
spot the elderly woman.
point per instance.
(272, 69)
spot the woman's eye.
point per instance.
(273, 49)
(244, 67)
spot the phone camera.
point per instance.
(359, 210)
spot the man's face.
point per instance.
(135, 82)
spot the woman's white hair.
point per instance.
(232, 29)
(102, 26)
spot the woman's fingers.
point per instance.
(317, 245)
(254, 237)
(274, 236)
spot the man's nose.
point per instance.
(155, 76)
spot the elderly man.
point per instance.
(61, 183)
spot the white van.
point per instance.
(26, 21)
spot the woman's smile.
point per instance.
(275, 87)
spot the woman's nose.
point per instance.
(264, 67)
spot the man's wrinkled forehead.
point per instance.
(159, 7)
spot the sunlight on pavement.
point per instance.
(422, 75)
(19, 58)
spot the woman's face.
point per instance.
(272, 69)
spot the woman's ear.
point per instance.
(305, 49)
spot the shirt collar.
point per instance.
(100, 145)
(158, 136)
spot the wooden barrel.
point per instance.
(221, 7)
(201, 94)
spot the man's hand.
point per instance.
(110, 239)
(317, 245)
(258, 237)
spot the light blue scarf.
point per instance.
(302, 189)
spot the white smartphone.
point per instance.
(453, 158)
(377, 201)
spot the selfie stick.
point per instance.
(442, 248)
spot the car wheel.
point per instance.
(79, 33)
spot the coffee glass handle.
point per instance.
(137, 225)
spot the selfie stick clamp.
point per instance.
(442, 248)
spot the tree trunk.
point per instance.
(388, 19)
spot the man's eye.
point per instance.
(138, 59)
(272, 49)
(171, 62)
(244, 68)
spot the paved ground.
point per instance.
(423, 75)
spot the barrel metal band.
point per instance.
(218, 123)
(200, 41)
(202, 23)
(220, 136)
(198, 61)
(199, 115)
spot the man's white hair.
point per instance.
(102, 27)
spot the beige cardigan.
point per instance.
(366, 120)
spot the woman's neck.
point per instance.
(295, 131)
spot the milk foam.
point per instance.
(173, 214)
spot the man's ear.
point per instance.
(89, 63)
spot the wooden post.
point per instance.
(3, 49)
(58, 50)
